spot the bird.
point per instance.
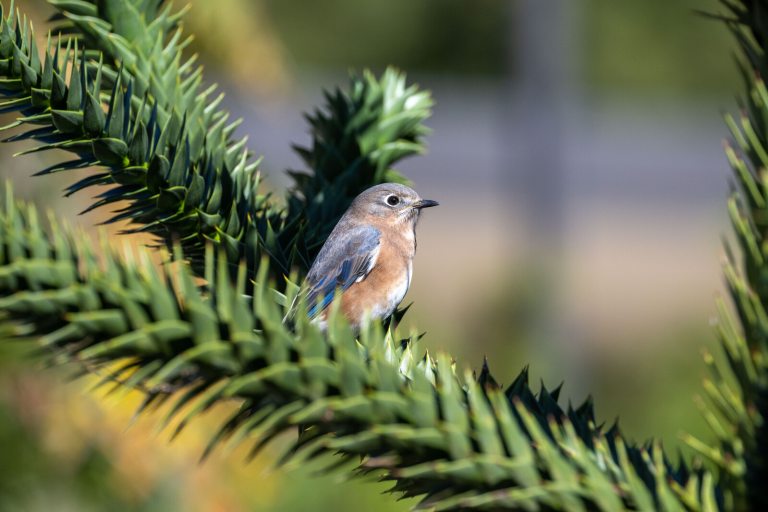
(368, 257)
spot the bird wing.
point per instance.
(343, 261)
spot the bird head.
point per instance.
(392, 202)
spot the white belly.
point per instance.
(393, 298)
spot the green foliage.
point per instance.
(32, 478)
(739, 405)
(166, 147)
(162, 142)
(458, 443)
(356, 140)
(131, 105)
(654, 47)
(434, 36)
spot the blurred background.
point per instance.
(576, 155)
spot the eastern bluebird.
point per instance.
(369, 256)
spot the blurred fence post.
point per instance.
(544, 58)
(544, 54)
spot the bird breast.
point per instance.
(385, 286)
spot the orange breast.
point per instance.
(383, 288)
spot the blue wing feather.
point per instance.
(344, 259)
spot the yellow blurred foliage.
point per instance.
(236, 37)
(70, 421)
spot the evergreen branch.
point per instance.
(170, 153)
(182, 181)
(356, 139)
(458, 443)
(145, 42)
(737, 391)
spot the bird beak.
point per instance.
(425, 203)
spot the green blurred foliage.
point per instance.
(627, 48)
(42, 467)
(638, 49)
(633, 49)
(646, 379)
(48, 462)
(440, 36)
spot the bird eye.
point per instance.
(393, 200)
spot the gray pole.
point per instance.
(544, 57)
(542, 60)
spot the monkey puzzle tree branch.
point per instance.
(133, 106)
(356, 139)
(738, 407)
(173, 158)
(166, 147)
(459, 443)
